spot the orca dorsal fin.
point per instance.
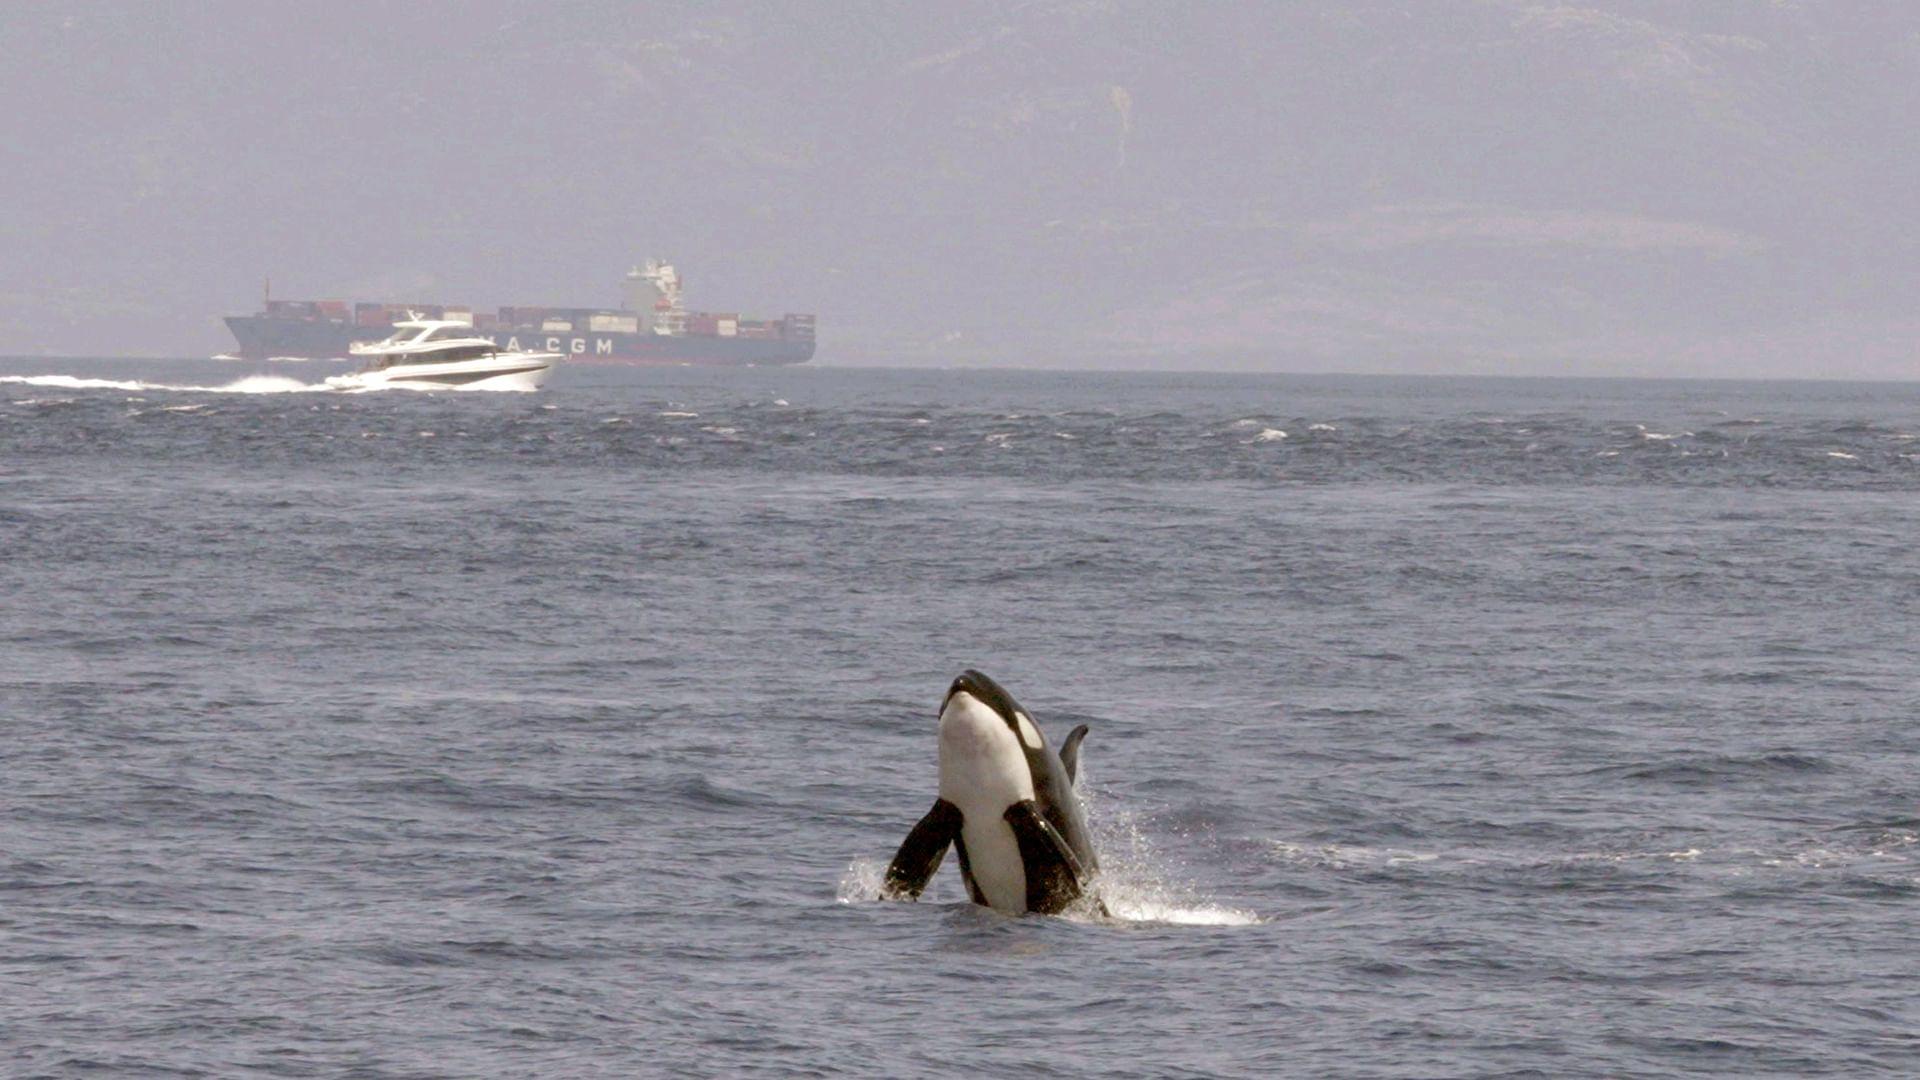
(1070, 752)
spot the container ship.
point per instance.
(654, 328)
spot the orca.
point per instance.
(1006, 805)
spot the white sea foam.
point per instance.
(1843, 455)
(267, 384)
(69, 382)
(1884, 853)
(1347, 856)
(251, 384)
(1321, 427)
(675, 414)
(1341, 857)
(1272, 434)
(1616, 858)
(1139, 894)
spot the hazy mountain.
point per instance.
(1633, 187)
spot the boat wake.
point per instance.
(251, 384)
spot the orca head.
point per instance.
(973, 690)
(986, 740)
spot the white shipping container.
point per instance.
(729, 327)
(464, 316)
(615, 324)
(561, 325)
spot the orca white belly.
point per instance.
(993, 857)
(982, 772)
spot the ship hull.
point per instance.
(263, 337)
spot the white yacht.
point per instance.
(430, 354)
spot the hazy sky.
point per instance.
(1628, 186)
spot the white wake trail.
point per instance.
(251, 384)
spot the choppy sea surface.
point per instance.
(1441, 727)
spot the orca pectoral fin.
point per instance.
(921, 852)
(1070, 752)
(1055, 876)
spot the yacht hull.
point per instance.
(523, 372)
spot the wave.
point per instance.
(1195, 446)
(1703, 768)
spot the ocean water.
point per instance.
(1440, 727)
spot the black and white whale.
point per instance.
(1006, 804)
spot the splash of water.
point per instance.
(862, 881)
(1140, 884)
(1136, 883)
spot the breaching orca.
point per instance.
(1006, 804)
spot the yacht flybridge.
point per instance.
(430, 354)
